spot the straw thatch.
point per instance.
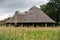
(34, 15)
(16, 18)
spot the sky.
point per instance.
(8, 7)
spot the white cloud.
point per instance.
(8, 7)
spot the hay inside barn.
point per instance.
(35, 16)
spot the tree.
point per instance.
(26, 12)
(16, 12)
(5, 20)
(52, 9)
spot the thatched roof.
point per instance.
(37, 15)
(1, 23)
(16, 18)
(34, 15)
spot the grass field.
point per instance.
(31, 33)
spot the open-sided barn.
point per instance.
(35, 16)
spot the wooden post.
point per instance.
(32, 25)
(9, 25)
(41, 25)
(21, 25)
(27, 25)
(53, 25)
(46, 25)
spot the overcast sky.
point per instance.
(8, 7)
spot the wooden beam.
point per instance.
(45, 24)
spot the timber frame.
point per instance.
(32, 24)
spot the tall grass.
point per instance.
(12, 33)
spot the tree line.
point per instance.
(52, 9)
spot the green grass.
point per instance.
(28, 34)
(41, 35)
